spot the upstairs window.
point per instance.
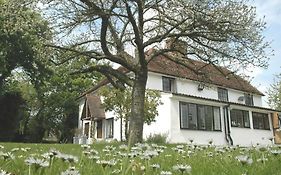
(222, 94)
(239, 118)
(249, 99)
(260, 121)
(168, 84)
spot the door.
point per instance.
(99, 129)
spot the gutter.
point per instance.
(226, 125)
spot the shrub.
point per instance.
(157, 138)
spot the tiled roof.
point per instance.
(207, 73)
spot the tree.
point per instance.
(120, 101)
(218, 32)
(274, 94)
(22, 34)
(57, 112)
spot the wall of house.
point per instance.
(162, 124)
(190, 87)
(179, 135)
(251, 136)
(81, 105)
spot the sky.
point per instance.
(263, 78)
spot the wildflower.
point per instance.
(105, 163)
(275, 152)
(2, 172)
(155, 166)
(36, 162)
(244, 159)
(7, 155)
(142, 168)
(93, 157)
(182, 168)
(150, 153)
(67, 158)
(71, 171)
(15, 149)
(191, 140)
(165, 173)
(1, 147)
(85, 146)
(123, 147)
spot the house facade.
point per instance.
(209, 104)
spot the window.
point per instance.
(109, 128)
(249, 99)
(239, 118)
(168, 84)
(199, 117)
(260, 121)
(222, 94)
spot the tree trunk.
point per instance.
(137, 114)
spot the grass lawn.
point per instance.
(150, 159)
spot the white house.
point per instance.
(212, 104)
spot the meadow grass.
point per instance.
(149, 159)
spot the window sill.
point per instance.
(241, 127)
(201, 130)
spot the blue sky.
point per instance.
(271, 9)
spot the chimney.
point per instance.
(178, 45)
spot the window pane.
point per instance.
(233, 117)
(222, 94)
(246, 119)
(239, 118)
(209, 118)
(249, 99)
(239, 115)
(184, 115)
(109, 128)
(217, 120)
(192, 116)
(166, 84)
(266, 121)
(201, 117)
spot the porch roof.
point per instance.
(226, 102)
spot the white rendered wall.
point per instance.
(81, 106)
(179, 135)
(251, 136)
(189, 87)
(162, 125)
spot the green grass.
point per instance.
(204, 160)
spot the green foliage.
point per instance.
(157, 138)
(274, 94)
(23, 33)
(120, 102)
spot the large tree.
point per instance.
(218, 32)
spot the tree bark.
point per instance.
(137, 114)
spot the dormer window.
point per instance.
(222, 94)
(249, 99)
(168, 84)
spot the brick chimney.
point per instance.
(178, 45)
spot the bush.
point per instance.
(157, 138)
